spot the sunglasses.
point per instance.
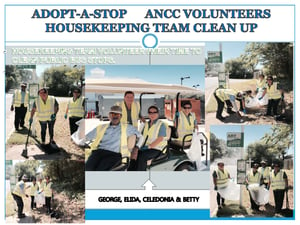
(187, 107)
(76, 92)
(115, 114)
(152, 112)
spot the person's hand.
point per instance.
(244, 111)
(143, 119)
(216, 188)
(177, 114)
(260, 98)
(134, 153)
(30, 121)
(12, 108)
(66, 116)
(53, 117)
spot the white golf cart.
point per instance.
(189, 155)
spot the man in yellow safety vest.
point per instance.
(253, 177)
(229, 96)
(265, 172)
(279, 185)
(18, 193)
(110, 142)
(47, 108)
(220, 179)
(20, 103)
(75, 109)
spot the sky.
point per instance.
(230, 50)
(164, 74)
(252, 133)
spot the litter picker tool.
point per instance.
(24, 152)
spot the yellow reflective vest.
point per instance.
(184, 127)
(265, 173)
(75, 108)
(17, 98)
(100, 133)
(254, 179)
(45, 109)
(222, 178)
(223, 94)
(152, 134)
(272, 92)
(19, 189)
(135, 109)
(277, 181)
(48, 189)
(33, 189)
(261, 83)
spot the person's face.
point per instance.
(115, 118)
(221, 166)
(23, 88)
(269, 81)
(153, 114)
(276, 168)
(129, 98)
(76, 93)
(187, 109)
(43, 95)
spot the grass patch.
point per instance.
(244, 85)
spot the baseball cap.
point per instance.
(116, 109)
(23, 84)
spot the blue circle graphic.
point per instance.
(150, 35)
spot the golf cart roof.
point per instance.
(137, 86)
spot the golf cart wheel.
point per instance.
(185, 167)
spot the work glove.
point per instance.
(260, 98)
(216, 188)
(53, 117)
(66, 116)
(12, 108)
(30, 121)
(177, 114)
(244, 111)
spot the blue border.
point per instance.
(147, 214)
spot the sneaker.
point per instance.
(52, 142)
(223, 204)
(221, 118)
(220, 207)
(22, 216)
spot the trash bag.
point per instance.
(40, 198)
(194, 153)
(259, 194)
(231, 192)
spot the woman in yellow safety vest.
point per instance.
(279, 185)
(47, 108)
(274, 97)
(130, 109)
(33, 191)
(154, 133)
(20, 103)
(48, 192)
(75, 109)
(18, 193)
(265, 172)
(253, 177)
(187, 121)
(220, 178)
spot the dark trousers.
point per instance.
(48, 204)
(253, 204)
(144, 156)
(20, 204)
(44, 125)
(220, 200)
(278, 198)
(102, 160)
(220, 107)
(73, 125)
(20, 113)
(272, 106)
(33, 204)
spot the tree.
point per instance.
(28, 167)
(215, 147)
(237, 68)
(77, 74)
(251, 56)
(56, 80)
